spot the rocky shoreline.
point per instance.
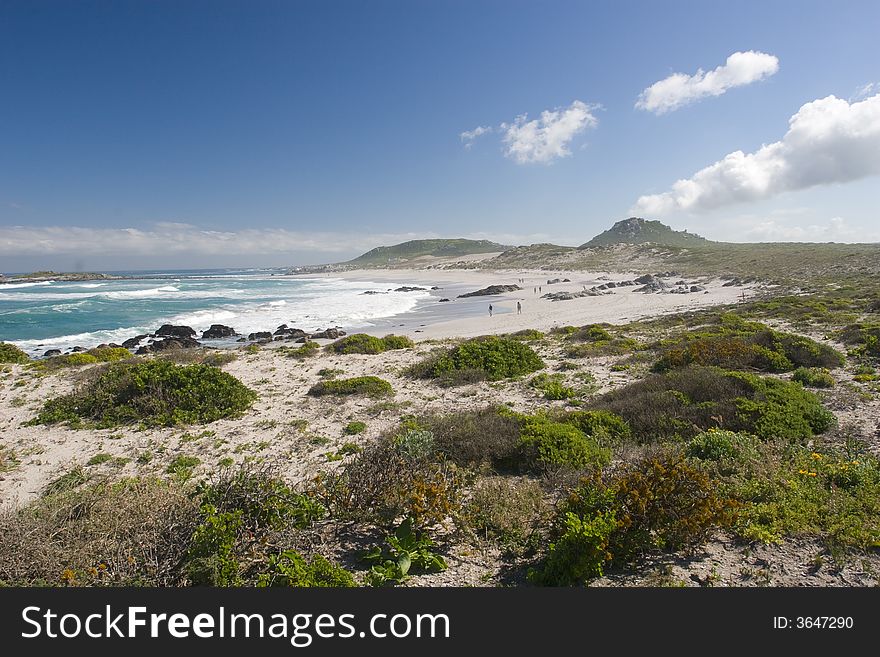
(173, 337)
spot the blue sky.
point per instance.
(147, 134)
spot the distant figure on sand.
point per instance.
(518, 308)
(490, 310)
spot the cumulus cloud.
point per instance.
(540, 140)
(829, 140)
(545, 139)
(468, 136)
(680, 89)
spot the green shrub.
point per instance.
(720, 445)
(354, 428)
(372, 386)
(682, 403)
(407, 549)
(736, 344)
(607, 428)
(290, 568)
(396, 477)
(813, 377)
(487, 357)
(9, 353)
(661, 502)
(98, 459)
(183, 465)
(474, 438)
(361, 343)
(109, 354)
(591, 333)
(550, 444)
(305, 350)
(552, 387)
(155, 393)
(527, 335)
(831, 495)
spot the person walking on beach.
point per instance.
(518, 308)
(490, 310)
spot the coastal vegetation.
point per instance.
(9, 353)
(152, 393)
(361, 343)
(479, 359)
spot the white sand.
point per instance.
(617, 306)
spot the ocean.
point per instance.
(37, 316)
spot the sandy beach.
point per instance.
(460, 318)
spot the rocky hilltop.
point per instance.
(636, 230)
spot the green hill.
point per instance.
(642, 231)
(383, 255)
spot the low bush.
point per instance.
(361, 343)
(813, 377)
(552, 386)
(131, 533)
(155, 393)
(487, 357)
(595, 340)
(354, 428)
(736, 344)
(290, 568)
(397, 477)
(305, 350)
(682, 403)
(527, 335)
(661, 502)
(9, 353)
(408, 549)
(509, 511)
(475, 438)
(371, 386)
(548, 444)
(605, 427)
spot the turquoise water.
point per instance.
(59, 315)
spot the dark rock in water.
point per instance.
(131, 343)
(566, 280)
(443, 300)
(642, 280)
(373, 292)
(407, 288)
(604, 286)
(259, 335)
(77, 350)
(218, 331)
(51, 352)
(329, 334)
(167, 344)
(436, 288)
(697, 288)
(492, 289)
(285, 333)
(610, 284)
(242, 339)
(171, 331)
(553, 281)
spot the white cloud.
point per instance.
(864, 91)
(829, 140)
(772, 230)
(179, 241)
(468, 136)
(540, 140)
(547, 138)
(680, 89)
